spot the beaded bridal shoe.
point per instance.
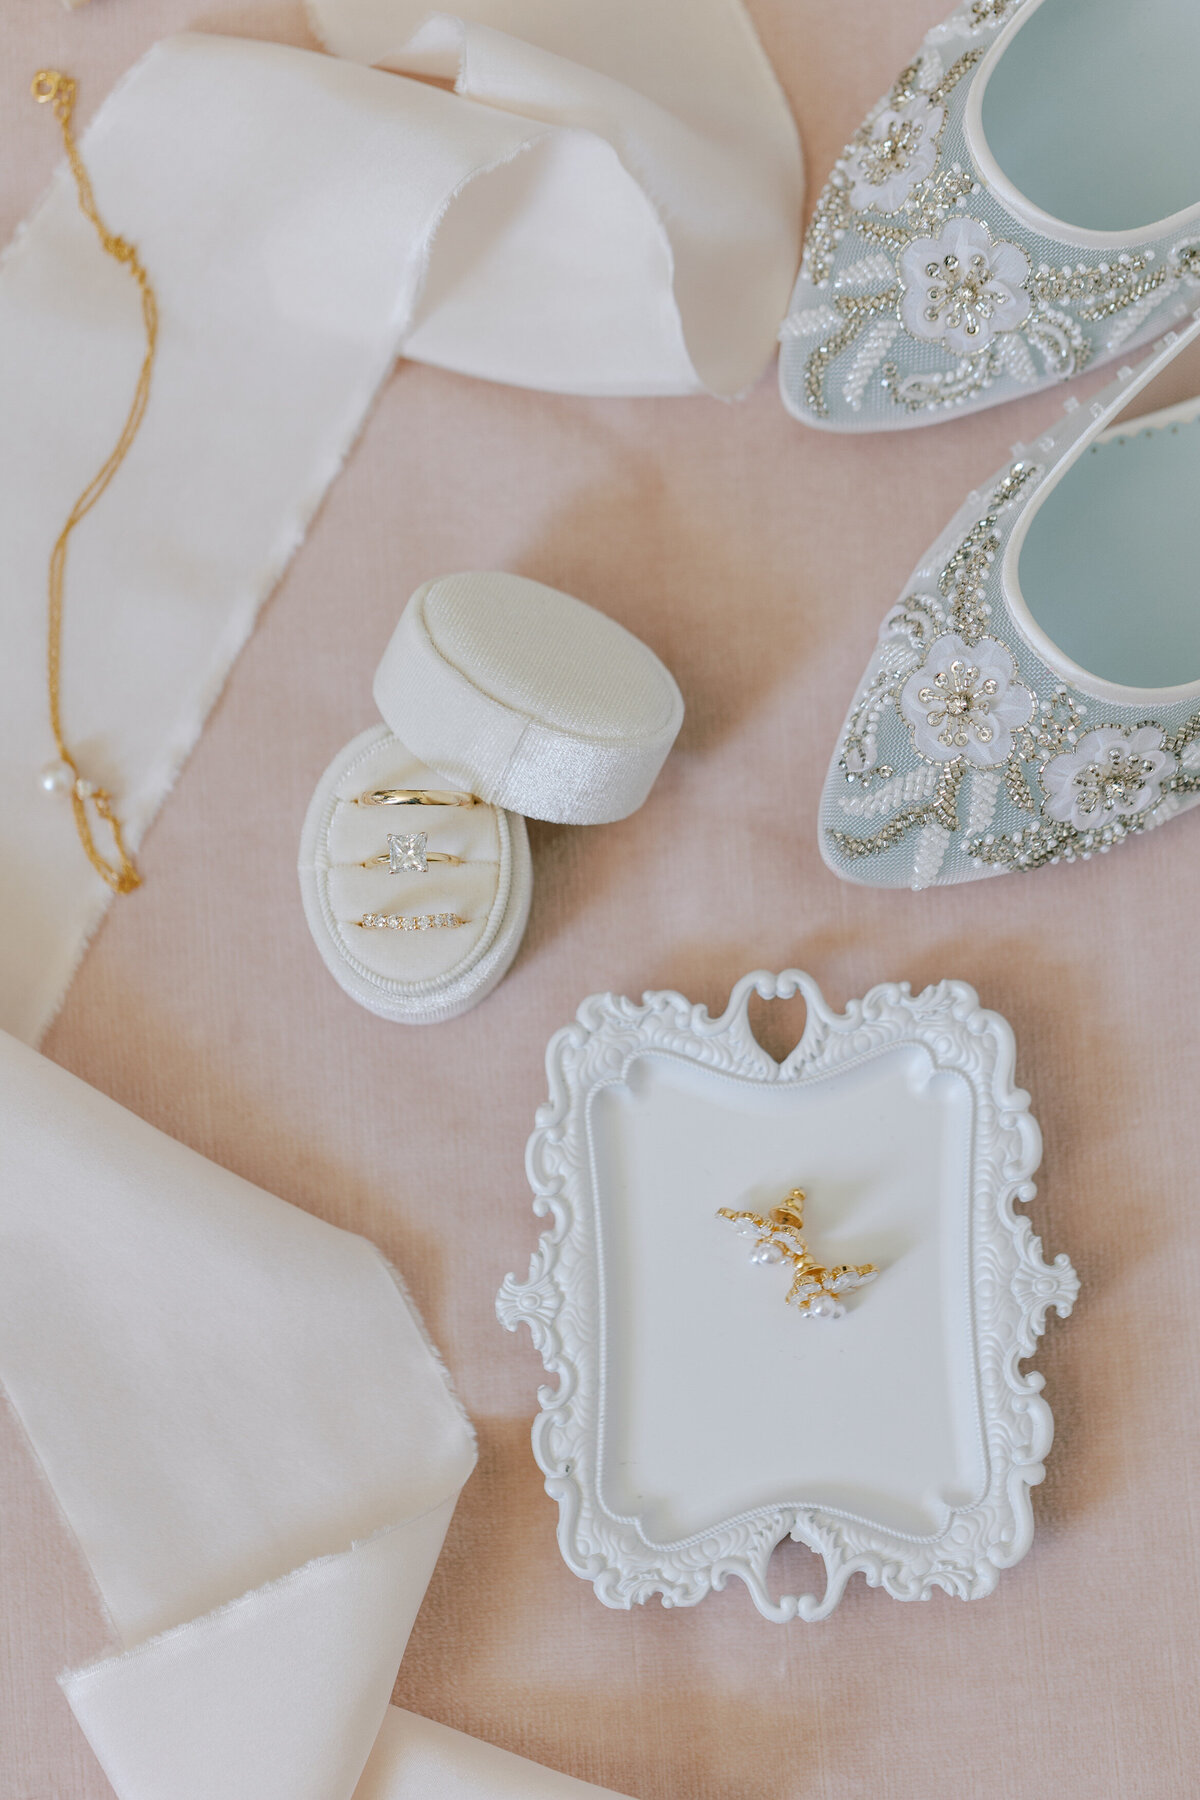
(1035, 697)
(1024, 203)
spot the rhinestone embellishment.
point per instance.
(1114, 784)
(961, 295)
(958, 701)
(892, 153)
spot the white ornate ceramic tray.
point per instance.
(697, 1419)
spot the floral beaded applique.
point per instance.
(919, 291)
(964, 702)
(963, 743)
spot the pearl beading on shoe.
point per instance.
(779, 1239)
(410, 921)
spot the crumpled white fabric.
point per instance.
(257, 1450)
(608, 203)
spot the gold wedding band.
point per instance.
(415, 797)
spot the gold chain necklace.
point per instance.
(63, 776)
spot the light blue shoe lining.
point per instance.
(1110, 569)
(1093, 111)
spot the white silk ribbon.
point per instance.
(257, 1450)
(607, 203)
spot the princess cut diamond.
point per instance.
(407, 853)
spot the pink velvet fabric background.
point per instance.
(757, 558)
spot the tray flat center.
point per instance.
(718, 1398)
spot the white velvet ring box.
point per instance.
(496, 687)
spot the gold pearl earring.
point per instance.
(779, 1238)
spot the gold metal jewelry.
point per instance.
(409, 921)
(407, 854)
(49, 87)
(415, 797)
(779, 1238)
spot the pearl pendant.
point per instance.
(824, 1306)
(767, 1253)
(57, 778)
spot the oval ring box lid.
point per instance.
(528, 698)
